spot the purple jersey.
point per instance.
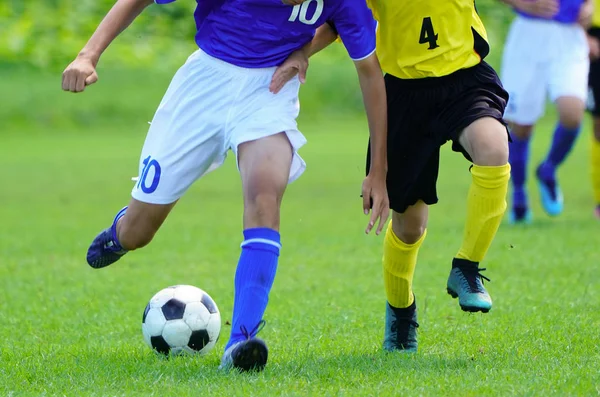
(568, 11)
(263, 33)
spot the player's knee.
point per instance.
(409, 226)
(134, 235)
(262, 210)
(491, 151)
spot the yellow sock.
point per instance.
(399, 261)
(595, 169)
(486, 204)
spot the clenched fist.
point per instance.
(79, 74)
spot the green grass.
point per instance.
(69, 330)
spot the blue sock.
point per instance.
(253, 280)
(562, 143)
(518, 159)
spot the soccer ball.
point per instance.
(181, 318)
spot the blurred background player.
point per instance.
(594, 105)
(546, 52)
(438, 89)
(220, 100)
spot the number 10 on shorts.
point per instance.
(152, 167)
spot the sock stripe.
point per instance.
(262, 241)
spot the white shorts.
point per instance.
(212, 106)
(542, 57)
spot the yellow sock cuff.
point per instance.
(395, 241)
(490, 177)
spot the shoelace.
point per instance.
(248, 335)
(474, 279)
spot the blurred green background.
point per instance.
(40, 37)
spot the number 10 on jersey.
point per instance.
(300, 12)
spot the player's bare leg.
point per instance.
(486, 141)
(405, 234)
(133, 227)
(595, 166)
(571, 111)
(265, 168)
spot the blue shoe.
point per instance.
(105, 249)
(401, 329)
(466, 284)
(550, 194)
(247, 355)
(520, 215)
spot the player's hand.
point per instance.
(296, 64)
(79, 74)
(585, 14)
(541, 8)
(374, 190)
(594, 45)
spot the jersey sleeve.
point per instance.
(356, 27)
(164, 1)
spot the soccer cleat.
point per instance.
(550, 194)
(105, 249)
(597, 211)
(520, 215)
(466, 283)
(247, 355)
(401, 329)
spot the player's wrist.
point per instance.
(89, 55)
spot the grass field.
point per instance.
(69, 330)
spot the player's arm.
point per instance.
(540, 8)
(297, 62)
(374, 190)
(82, 71)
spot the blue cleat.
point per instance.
(247, 355)
(401, 329)
(105, 249)
(520, 215)
(466, 284)
(550, 194)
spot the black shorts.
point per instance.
(423, 114)
(594, 80)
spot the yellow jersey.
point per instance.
(428, 38)
(596, 15)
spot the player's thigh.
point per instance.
(524, 73)
(186, 138)
(475, 122)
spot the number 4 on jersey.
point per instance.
(428, 36)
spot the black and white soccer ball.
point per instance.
(181, 319)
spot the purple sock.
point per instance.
(562, 143)
(518, 159)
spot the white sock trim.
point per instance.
(261, 240)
